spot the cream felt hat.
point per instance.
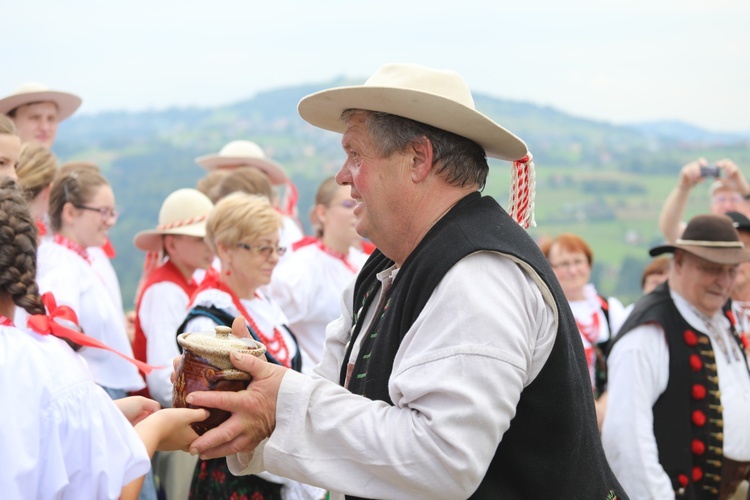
(183, 212)
(438, 98)
(29, 93)
(241, 153)
(435, 97)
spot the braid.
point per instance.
(18, 244)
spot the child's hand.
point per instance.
(136, 408)
(169, 429)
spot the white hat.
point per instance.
(438, 98)
(241, 153)
(183, 212)
(435, 97)
(29, 93)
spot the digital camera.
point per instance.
(710, 170)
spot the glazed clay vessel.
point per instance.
(206, 366)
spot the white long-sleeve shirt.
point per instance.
(61, 436)
(638, 369)
(483, 336)
(75, 284)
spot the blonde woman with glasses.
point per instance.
(243, 231)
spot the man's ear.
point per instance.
(422, 159)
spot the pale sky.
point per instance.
(616, 61)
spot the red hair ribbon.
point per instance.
(49, 325)
(522, 192)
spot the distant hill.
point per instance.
(677, 131)
(149, 154)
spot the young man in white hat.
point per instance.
(679, 387)
(242, 153)
(36, 110)
(456, 369)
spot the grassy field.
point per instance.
(615, 213)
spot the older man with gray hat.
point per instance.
(36, 110)
(456, 369)
(679, 386)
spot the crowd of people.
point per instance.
(420, 344)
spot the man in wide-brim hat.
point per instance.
(462, 368)
(36, 111)
(679, 386)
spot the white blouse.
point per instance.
(61, 436)
(162, 310)
(74, 283)
(308, 289)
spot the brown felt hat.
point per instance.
(710, 237)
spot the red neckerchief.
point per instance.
(336, 255)
(5, 321)
(47, 325)
(590, 332)
(276, 345)
(306, 240)
(41, 227)
(72, 245)
(109, 249)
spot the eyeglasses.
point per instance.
(264, 250)
(568, 264)
(106, 213)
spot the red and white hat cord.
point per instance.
(522, 192)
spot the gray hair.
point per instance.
(460, 161)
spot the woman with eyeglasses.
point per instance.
(243, 232)
(81, 213)
(598, 318)
(309, 285)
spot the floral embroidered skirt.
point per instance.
(212, 480)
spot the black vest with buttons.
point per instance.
(688, 422)
(552, 448)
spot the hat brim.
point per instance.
(726, 256)
(151, 240)
(323, 109)
(273, 170)
(67, 104)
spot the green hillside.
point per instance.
(601, 181)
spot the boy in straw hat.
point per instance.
(456, 369)
(174, 250)
(36, 110)
(679, 386)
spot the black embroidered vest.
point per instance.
(552, 448)
(688, 422)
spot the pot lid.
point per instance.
(216, 346)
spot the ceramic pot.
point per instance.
(206, 366)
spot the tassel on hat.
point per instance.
(523, 191)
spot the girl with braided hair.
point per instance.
(61, 436)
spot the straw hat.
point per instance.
(183, 212)
(240, 153)
(435, 97)
(29, 93)
(710, 237)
